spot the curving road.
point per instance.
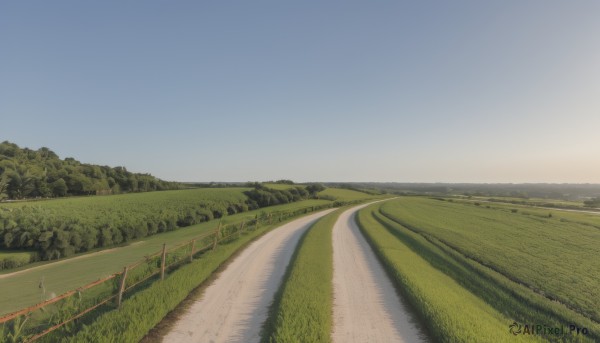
(234, 307)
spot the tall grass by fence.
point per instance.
(66, 311)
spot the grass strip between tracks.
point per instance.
(301, 311)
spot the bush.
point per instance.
(14, 260)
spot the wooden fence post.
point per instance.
(193, 243)
(242, 226)
(163, 262)
(256, 223)
(270, 217)
(122, 287)
(217, 236)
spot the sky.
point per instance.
(407, 91)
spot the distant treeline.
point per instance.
(26, 173)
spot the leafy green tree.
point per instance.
(3, 187)
(59, 188)
(315, 188)
(594, 202)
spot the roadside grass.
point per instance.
(301, 311)
(451, 313)
(555, 259)
(22, 290)
(143, 310)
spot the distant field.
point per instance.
(22, 289)
(343, 194)
(159, 198)
(532, 201)
(527, 265)
(591, 219)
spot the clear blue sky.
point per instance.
(423, 91)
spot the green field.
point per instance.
(154, 199)
(63, 227)
(537, 202)
(581, 216)
(341, 194)
(301, 311)
(515, 267)
(22, 289)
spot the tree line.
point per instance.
(27, 173)
(262, 196)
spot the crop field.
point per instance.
(63, 227)
(60, 228)
(506, 266)
(22, 288)
(155, 199)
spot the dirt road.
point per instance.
(366, 307)
(234, 307)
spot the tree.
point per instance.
(33, 173)
(59, 188)
(21, 183)
(593, 202)
(3, 187)
(315, 188)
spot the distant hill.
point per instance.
(26, 173)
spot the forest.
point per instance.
(27, 173)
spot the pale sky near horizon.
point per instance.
(420, 91)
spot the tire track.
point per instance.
(366, 307)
